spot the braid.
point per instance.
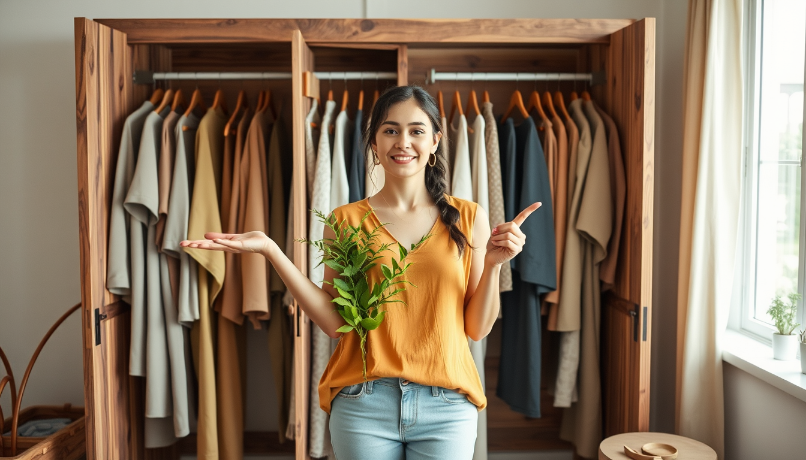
(436, 183)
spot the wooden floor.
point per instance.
(508, 430)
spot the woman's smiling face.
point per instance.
(405, 140)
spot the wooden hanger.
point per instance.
(548, 104)
(441, 104)
(219, 102)
(345, 98)
(486, 97)
(167, 98)
(559, 102)
(268, 105)
(516, 101)
(242, 102)
(330, 95)
(473, 103)
(586, 96)
(360, 100)
(156, 97)
(534, 103)
(574, 96)
(261, 99)
(455, 105)
(375, 97)
(196, 100)
(179, 100)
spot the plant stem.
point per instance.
(364, 352)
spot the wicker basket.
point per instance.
(66, 444)
(69, 443)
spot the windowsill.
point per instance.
(756, 359)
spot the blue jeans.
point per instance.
(394, 419)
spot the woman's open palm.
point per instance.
(236, 243)
(507, 239)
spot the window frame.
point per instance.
(743, 303)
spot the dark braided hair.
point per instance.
(435, 176)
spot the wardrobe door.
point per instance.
(627, 309)
(103, 100)
(301, 62)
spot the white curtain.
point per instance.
(712, 156)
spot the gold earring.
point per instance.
(433, 157)
(375, 160)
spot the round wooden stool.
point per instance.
(612, 448)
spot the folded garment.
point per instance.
(41, 428)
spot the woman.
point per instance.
(423, 393)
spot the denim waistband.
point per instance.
(402, 384)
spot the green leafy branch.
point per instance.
(352, 253)
(784, 314)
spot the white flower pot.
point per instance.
(784, 347)
(803, 358)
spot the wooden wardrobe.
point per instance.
(108, 51)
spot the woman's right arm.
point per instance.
(314, 301)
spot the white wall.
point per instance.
(761, 421)
(39, 266)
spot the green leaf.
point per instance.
(347, 317)
(395, 266)
(345, 294)
(386, 272)
(341, 284)
(345, 329)
(334, 265)
(342, 301)
(371, 324)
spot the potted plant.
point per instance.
(802, 337)
(784, 342)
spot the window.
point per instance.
(773, 249)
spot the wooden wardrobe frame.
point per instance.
(109, 50)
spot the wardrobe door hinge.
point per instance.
(636, 328)
(98, 318)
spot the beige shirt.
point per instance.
(205, 217)
(618, 190)
(495, 187)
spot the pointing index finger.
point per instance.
(518, 220)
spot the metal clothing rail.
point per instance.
(595, 78)
(147, 77)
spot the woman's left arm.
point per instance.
(482, 300)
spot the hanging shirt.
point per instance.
(533, 270)
(356, 168)
(176, 223)
(142, 203)
(461, 176)
(254, 267)
(169, 276)
(322, 347)
(231, 338)
(560, 210)
(570, 309)
(279, 335)
(495, 187)
(230, 302)
(119, 264)
(594, 223)
(478, 163)
(342, 144)
(618, 190)
(311, 144)
(433, 318)
(205, 217)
